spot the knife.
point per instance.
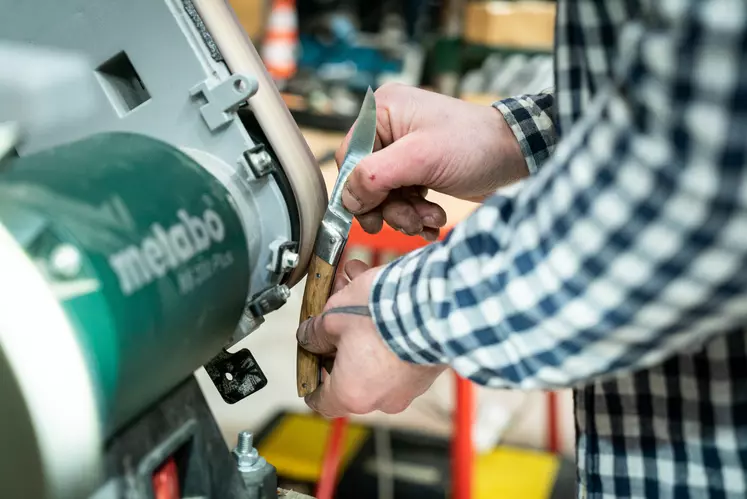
(330, 242)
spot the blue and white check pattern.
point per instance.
(620, 268)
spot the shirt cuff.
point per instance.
(395, 304)
(531, 119)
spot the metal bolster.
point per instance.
(331, 238)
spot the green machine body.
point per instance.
(145, 253)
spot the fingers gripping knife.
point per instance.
(330, 242)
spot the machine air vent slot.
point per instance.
(122, 84)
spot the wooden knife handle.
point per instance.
(318, 287)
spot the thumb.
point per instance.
(312, 336)
(350, 271)
(404, 163)
(325, 401)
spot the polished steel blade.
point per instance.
(361, 145)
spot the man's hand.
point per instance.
(429, 141)
(367, 376)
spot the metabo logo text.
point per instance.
(166, 249)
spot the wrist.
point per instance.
(513, 161)
(529, 123)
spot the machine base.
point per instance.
(179, 430)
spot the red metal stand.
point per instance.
(332, 456)
(462, 450)
(553, 430)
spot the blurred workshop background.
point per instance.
(323, 55)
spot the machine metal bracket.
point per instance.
(258, 306)
(235, 375)
(224, 99)
(268, 300)
(247, 325)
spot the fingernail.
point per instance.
(415, 231)
(350, 200)
(302, 332)
(429, 236)
(310, 402)
(433, 221)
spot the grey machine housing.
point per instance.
(156, 70)
(154, 67)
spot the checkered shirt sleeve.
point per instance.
(531, 120)
(628, 245)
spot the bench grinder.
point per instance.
(156, 202)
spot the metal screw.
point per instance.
(289, 260)
(65, 261)
(246, 442)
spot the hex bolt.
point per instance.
(65, 261)
(246, 456)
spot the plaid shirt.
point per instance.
(620, 268)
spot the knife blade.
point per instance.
(330, 242)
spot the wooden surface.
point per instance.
(517, 25)
(318, 287)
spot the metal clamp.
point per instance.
(224, 99)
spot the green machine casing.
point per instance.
(145, 252)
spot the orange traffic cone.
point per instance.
(281, 40)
